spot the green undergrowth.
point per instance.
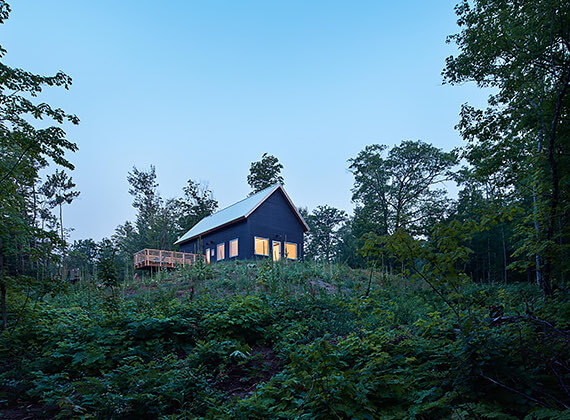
(256, 340)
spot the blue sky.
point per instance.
(202, 89)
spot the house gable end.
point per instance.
(285, 201)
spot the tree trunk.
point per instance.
(62, 266)
(555, 180)
(488, 259)
(537, 257)
(3, 294)
(3, 304)
(504, 253)
(562, 251)
(370, 280)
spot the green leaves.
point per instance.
(402, 352)
(397, 191)
(519, 143)
(323, 237)
(26, 147)
(264, 173)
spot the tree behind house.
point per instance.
(264, 173)
(323, 237)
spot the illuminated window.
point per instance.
(276, 250)
(233, 248)
(208, 255)
(291, 250)
(261, 246)
(221, 252)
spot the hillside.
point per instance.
(296, 340)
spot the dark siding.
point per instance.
(274, 220)
(237, 230)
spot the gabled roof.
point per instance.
(237, 211)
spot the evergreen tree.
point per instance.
(58, 188)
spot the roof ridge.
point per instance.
(243, 199)
(225, 214)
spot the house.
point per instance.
(263, 225)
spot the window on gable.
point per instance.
(221, 251)
(233, 248)
(261, 246)
(291, 250)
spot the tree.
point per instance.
(481, 200)
(397, 191)
(58, 188)
(348, 242)
(144, 190)
(370, 192)
(83, 257)
(148, 202)
(522, 50)
(107, 266)
(158, 222)
(127, 241)
(323, 237)
(197, 203)
(24, 151)
(264, 173)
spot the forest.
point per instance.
(419, 304)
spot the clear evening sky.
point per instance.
(201, 89)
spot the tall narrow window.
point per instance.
(221, 252)
(207, 255)
(291, 250)
(261, 246)
(234, 248)
(276, 250)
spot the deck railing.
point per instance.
(148, 258)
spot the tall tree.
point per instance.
(24, 150)
(324, 223)
(480, 200)
(158, 222)
(264, 173)
(58, 188)
(370, 191)
(349, 241)
(396, 190)
(146, 199)
(522, 50)
(144, 190)
(197, 203)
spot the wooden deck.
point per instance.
(156, 258)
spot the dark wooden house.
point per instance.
(263, 225)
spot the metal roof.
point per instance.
(240, 210)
